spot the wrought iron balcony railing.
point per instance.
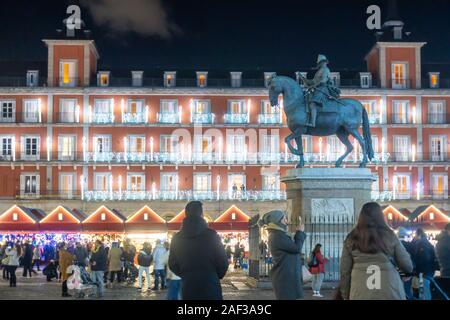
(135, 118)
(207, 118)
(269, 118)
(236, 118)
(102, 118)
(168, 117)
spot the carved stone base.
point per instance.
(326, 194)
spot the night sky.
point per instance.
(221, 34)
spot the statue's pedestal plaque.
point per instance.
(330, 195)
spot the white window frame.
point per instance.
(430, 75)
(405, 156)
(132, 137)
(13, 114)
(443, 139)
(162, 181)
(130, 175)
(108, 146)
(398, 104)
(23, 154)
(438, 118)
(230, 180)
(195, 182)
(444, 176)
(74, 147)
(408, 193)
(405, 83)
(265, 176)
(72, 78)
(23, 176)
(67, 194)
(27, 115)
(6, 157)
(64, 115)
(99, 174)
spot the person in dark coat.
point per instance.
(81, 255)
(443, 251)
(407, 277)
(425, 261)
(99, 261)
(286, 273)
(198, 257)
(27, 259)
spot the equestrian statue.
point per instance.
(316, 109)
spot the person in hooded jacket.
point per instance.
(425, 261)
(145, 259)
(285, 248)
(159, 266)
(198, 257)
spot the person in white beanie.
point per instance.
(285, 248)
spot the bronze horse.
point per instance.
(348, 116)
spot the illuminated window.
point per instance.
(169, 79)
(15, 217)
(136, 182)
(434, 79)
(60, 216)
(233, 216)
(390, 216)
(145, 216)
(66, 147)
(103, 78)
(202, 79)
(431, 215)
(67, 73)
(103, 216)
(399, 75)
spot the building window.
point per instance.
(103, 111)
(434, 80)
(334, 149)
(67, 109)
(365, 79)
(399, 76)
(29, 184)
(170, 79)
(103, 79)
(6, 147)
(269, 114)
(102, 144)
(267, 77)
(373, 111)
(169, 112)
(202, 184)
(439, 186)
(169, 182)
(169, 147)
(67, 185)
(67, 73)
(201, 111)
(237, 112)
(436, 112)
(202, 78)
(101, 182)
(236, 147)
(270, 147)
(236, 79)
(271, 182)
(136, 144)
(66, 147)
(8, 111)
(30, 148)
(437, 147)
(402, 112)
(32, 78)
(402, 186)
(134, 112)
(137, 78)
(31, 111)
(136, 182)
(237, 185)
(402, 148)
(202, 148)
(335, 79)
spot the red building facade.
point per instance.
(82, 136)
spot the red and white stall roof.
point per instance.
(20, 219)
(232, 219)
(176, 222)
(104, 219)
(430, 217)
(62, 219)
(145, 219)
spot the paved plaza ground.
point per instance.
(234, 286)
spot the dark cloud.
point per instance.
(144, 17)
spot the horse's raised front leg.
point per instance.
(299, 141)
(287, 140)
(343, 136)
(362, 143)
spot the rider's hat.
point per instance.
(321, 58)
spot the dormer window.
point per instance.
(32, 78)
(236, 79)
(434, 79)
(202, 79)
(366, 79)
(137, 78)
(170, 79)
(335, 79)
(103, 78)
(267, 77)
(67, 73)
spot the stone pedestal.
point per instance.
(330, 195)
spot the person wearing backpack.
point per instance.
(145, 259)
(425, 261)
(317, 269)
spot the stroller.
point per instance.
(81, 282)
(133, 272)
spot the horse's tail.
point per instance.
(366, 134)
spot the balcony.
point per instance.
(399, 84)
(168, 118)
(102, 118)
(206, 118)
(374, 118)
(436, 118)
(236, 118)
(68, 117)
(135, 118)
(269, 118)
(403, 118)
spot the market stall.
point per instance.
(20, 219)
(104, 220)
(146, 226)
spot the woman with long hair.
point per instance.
(371, 257)
(14, 252)
(317, 268)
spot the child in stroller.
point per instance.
(81, 282)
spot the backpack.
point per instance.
(313, 262)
